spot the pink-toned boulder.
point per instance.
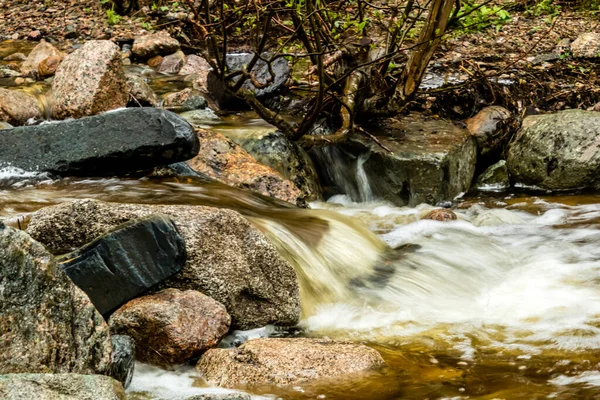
(39, 53)
(17, 107)
(90, 81)
(155, 44)
(172, 63)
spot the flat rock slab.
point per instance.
(287, 362)
(559, 151)
(60, 387)
(47, 324)
(112, 143)
(430, 161)
(127, 261)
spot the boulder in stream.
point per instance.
(185, 100)
(172, 326)
(222, 159)
(125, 262)
(112, 143)
(276, 361)
(140, 93)
(172, 63)
(47, 324)
(491, 128)
(228, 259)
(557, 151)
(154, 44)
(42, 51)
(59, 387)
(90, 81)
(17, 108)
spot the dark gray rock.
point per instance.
(47, 324)
(226, 101)
(494, 177)
(127, 261)
(59, 387)
(122, 361)
(116, 142)
(559, 151)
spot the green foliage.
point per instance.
(543, 7)
(476, 17)
(112, 17)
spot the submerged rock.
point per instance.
(18, 107)
(222, 159)
(587, 45)
(228, 259)
(494, 178)
(60, 387)
(155, 44)
(38, 55)
(491, 128)
(287, 362)
(274, 150)
(90, 81)
(557, 151)
(172, 326)
(441, 214)
(112, 143)
(122, 264)
(47, 324)
(425, 161)
(272, 84)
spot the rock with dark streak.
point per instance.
(122, 361)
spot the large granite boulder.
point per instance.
(416, 161)
(269, 84)
(172, 326)
(39, 54)
(125, 262)
(155, 44)
(273, 149)
(557, 151)
(228, 259)
(59, 387)
(90, 81)
(112, 143)
(18, 107)
(222, 159)
(47, 324)
(287, 362)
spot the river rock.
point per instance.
(226, 101)
(90, 81)
(273, 149)
(426, 161)
(47, 324)
(41, 52)
(122, 264)
(491, 128)
(494, 177)
(17, 108)
(441, 214)
(498, 216)
(172, 63)
(222, 159)
(185, 100)
(8, 72)
(557, 151)
(122, 359)
(228, 259)
(48, 66)
(16, 57)
(59, 387)
(287, 362)
(140, 93)
(108, 144)
(196, 69)
(155, 44)
(587, 45)
(172, 326)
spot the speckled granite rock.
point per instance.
(90, 81)
(228, 259)
(17, 107)
(59, 387)
(172, 326)
(287, 362)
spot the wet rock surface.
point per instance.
(47, 324)
(491, 128)
(155, 44)
(140, 93)
(172, 326)
(274, 150)
(494, 177)
(18, 107)
(185, 100)
(60, 387)
(287, 362)
(557, 151)
(122, 359)
(441, 214)
(228, 259)
(112, 143)
(222, 159)
(129, 260)
(90, 81)
(426, 161)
